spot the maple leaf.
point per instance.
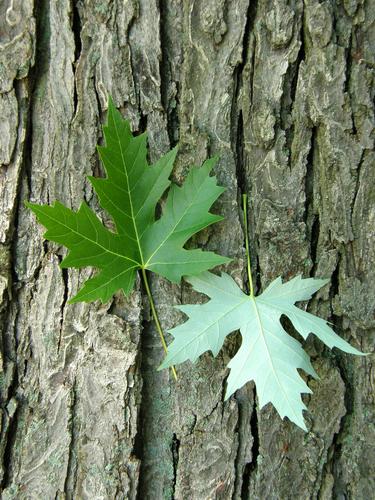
(129, 194)
(268, 355)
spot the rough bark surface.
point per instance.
(283, 92)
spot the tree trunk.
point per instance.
(283, 92)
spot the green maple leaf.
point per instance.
(268, 355)
(129, 194)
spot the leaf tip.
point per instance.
(324, 281)
(302, 426)
(111, 104)
(229, 391)
(161, 367)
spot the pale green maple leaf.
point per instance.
(129, 194)
(268, 355)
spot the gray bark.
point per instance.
(283, 92)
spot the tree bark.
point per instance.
(283, 92)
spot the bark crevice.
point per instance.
(71, 470)
(175, 459)
(76, 29)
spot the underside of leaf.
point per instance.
(268, 355)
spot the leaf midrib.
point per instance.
(130, 198)
(263, 336)
(177, 223)
(89, 239)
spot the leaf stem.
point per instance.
(244, 203)
(156, 319)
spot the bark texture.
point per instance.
(283, 92)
